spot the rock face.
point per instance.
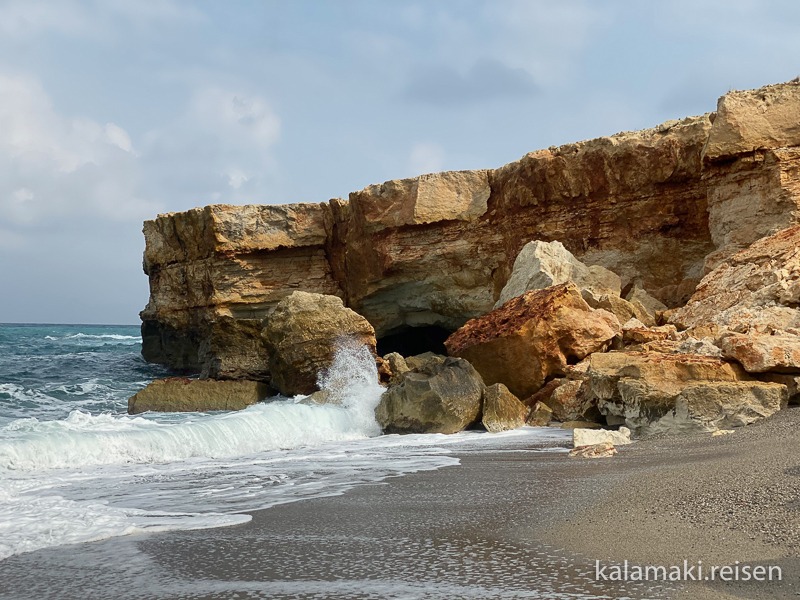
(302, 336)
(541, 265)
(659, 207)
(190, 395)
(756, 289)
(654, 392)
(440, 395)
(502, 410)
(759, 353)
(533, 337)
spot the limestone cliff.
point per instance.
(659, 207)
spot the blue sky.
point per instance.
(113, 111)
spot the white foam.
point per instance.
(93, 476)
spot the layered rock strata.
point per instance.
(658, 207)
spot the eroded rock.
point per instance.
(178, 394)
(303, 334)
(653, 392)
(438, 395)
(533, 337)
(502, 410)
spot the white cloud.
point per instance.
(221, 148)
(426, 157)
(52, 166)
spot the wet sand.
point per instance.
(514, 524)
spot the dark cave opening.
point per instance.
(415, 340)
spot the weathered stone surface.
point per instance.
(652, 393)
(502, 410)
(569, 404)
(216, 272)
(396, 365)
(754, 120)
(756, 289)
(540, 415)
(189, 395)
(759, 353)
(602, 450)
(541, 265)
(438, 396)
(644, 302)
(533, 337)
(592, 437)
(302, 336)
(635, 332)
(622, 309)
(439, 249)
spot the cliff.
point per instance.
(660, 207)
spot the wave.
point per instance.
(83, 439)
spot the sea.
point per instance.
(75, 467)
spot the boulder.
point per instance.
(635, 332)
(644, 302)
(591, 437)
(568, 404)
(395, 365)
(502, 410)
(602, 450)
(654, 393)
(756, 289)
(540, 265)
(437, 396)
(755, 119)
(302, 336)
(178, 394)
(540, 415)
(622, 309)
(533, 337)
(759, 353)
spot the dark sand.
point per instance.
(514, 524)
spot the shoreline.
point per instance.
(502, 524)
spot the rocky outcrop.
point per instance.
(658, 207)
(653, 392)
(756, 289)
(502, 410)
(438, 395)
(196, 395)
(760, 353)
(303, 334)
(540, 265)
(533, 337)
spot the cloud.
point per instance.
(486, 79)
(52, 166)
(426, 157)
(221, 148)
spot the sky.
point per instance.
(113, 111)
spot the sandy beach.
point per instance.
(520, 523)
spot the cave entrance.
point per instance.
(414, 340)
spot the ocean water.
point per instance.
(74, 467)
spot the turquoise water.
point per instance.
(47, 371)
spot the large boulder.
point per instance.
(760, 353)
(502, 410)
(654, 393)
(533, 337)
(755, 119)
(302, 336)
(437, 395)
(756, 289)
(178, 394)
(540, 265)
